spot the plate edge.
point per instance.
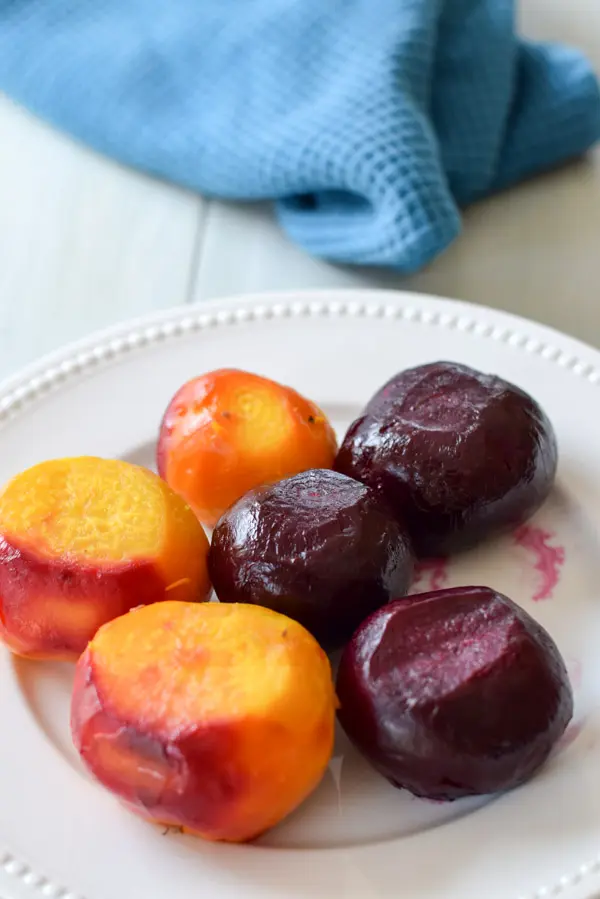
(107, 347)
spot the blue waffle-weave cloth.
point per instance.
(368, 122)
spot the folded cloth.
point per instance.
(369, 122)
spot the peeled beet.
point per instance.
(318, 547)
(454, 693)
(458, 455)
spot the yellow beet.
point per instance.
(216, 718)
(84, 540)
(229, 431)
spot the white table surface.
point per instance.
(85, 242)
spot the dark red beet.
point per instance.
(454, 693)
(317, 547)
(457, 454)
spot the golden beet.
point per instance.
(229, 431)
(216, 718)
(84, 540)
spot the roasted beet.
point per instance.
(457, 454)
(317, 547)
(454, 693)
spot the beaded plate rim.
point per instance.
(20, 392)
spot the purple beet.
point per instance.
(454, 693)
(318, 547)
(458, 455)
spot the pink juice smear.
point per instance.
(548, 560)
(430, 574)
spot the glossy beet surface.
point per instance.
(454, 693)
(457, 454)
(317, 547)
(229, 431)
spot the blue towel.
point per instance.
(369, 122)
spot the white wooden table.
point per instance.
(85, 242)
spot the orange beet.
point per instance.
(216, 718)
(84, 540)
(229, 431)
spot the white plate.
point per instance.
(357, 837)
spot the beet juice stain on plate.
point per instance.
(430, 574)
(547, 560)
(543, 558)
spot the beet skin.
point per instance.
(454, 693)
(318, 547)
(458, 455)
